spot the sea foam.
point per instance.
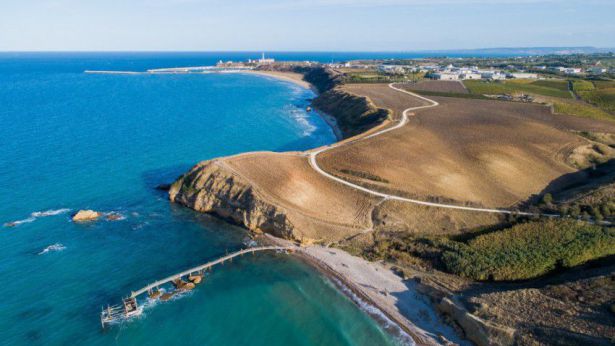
(53, 248)
(37, 214)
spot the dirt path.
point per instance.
(402, 122)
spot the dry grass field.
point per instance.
(480, 152)
(319, 208)
(466, 152)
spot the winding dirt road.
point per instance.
(402, 122)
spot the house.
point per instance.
(596, 70)
(470, 75)
(522, 75)
(557, 69)
(493, 75)
(573, 70)
(445, 76)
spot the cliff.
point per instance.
(354, 114)
(218, 187)
(211, 187)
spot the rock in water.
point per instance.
(195, 279)
(166, 296)
(86, 215)
(188, 286)
(114, 217)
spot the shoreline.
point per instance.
(375, 285)
(297, 79)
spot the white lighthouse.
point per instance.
(264, 60)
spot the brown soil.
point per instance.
(322, 209)
(480, 152)
(443, 86)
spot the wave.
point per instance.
(50, 212)
(53, 248)
(303, 119)
(37, 214)
(392, 327)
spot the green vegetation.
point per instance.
(519, 252)
(552, 88)
(604, 84)
(602, 98)
(528, 250)
(582, 85)
(581, 110)
(552, 83)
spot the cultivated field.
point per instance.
(550, 87)
(439, 86)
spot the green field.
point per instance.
(529, 250)
(602, 98)
(582, 85)
(554, 88)
(582, 110)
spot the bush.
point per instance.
(529, 250)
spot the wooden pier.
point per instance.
(130, 307)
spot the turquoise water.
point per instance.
(72, 141)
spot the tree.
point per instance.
(547, 199)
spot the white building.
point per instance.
(264, 60)
(522, 75)
(470, 75)
(596, 70)
(445, 76)
(493, 75)
(573, 70)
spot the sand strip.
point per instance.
(379, 287)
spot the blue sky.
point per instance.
(300, 25)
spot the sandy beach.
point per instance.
(384, 295)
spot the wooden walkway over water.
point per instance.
(130, 305)
(206, 266)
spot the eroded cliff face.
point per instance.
(354, 114)
(211, 187)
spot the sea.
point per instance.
(71, 140)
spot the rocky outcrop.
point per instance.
(211, 187)
(86, 215)
(477, 330)
(354, 114)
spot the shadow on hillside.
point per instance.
(579, 181)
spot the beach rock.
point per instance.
(195, 279)
(179, 283)
(211, 188)
(86, 215)
(188, 286)
(155, 294)
(166, 296)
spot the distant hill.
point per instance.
(529, 51)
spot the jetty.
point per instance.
(130, 306)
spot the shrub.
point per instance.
(528, 250)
